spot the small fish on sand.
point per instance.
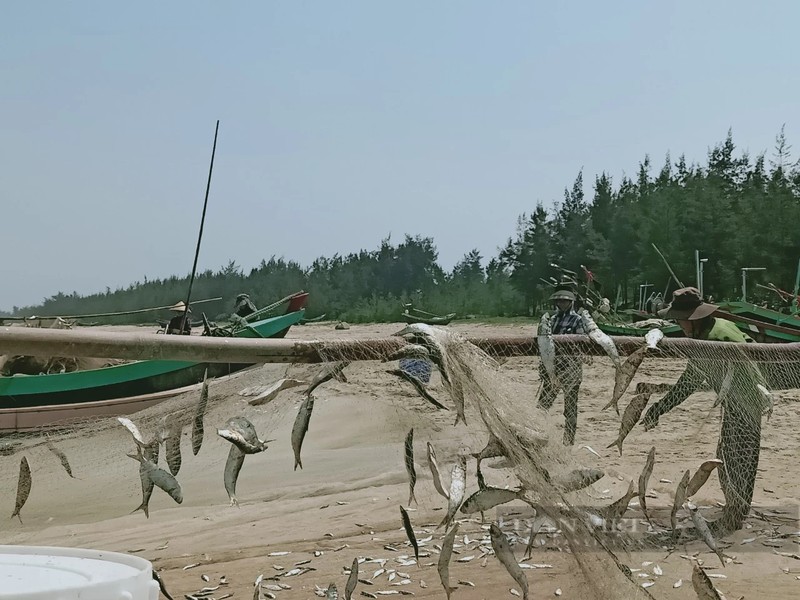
(443, 565)
(160, 477)
(61, 457)
(503, 552)
(410, 532)
(437, 478)
(332, 593)
(300, 428)
(352, 580)
(458, 485)
(578, 479)
(232, 467)
(680, 497)
(629, 419)
(702, 585)
(410, 469)
(701, 476)
(199, 414)
(701, 525)
(328, 372)
(272, 391)
(644, 477)
(23, 487)
(624, 376)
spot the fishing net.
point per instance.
(592, 542)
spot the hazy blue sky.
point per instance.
(342, 122)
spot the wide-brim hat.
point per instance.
(563, 295)
(179, 307)
(687, 305)
(240, 296)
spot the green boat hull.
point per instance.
(127, 380)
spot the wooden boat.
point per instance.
(316, 319)
(31, 401)
(415, 315)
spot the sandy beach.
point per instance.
(344, 503)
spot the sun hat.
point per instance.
(687, 305)
(562, 294)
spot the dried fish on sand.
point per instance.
(23, 487)
(503, 552)
(630, 418)
(300, 428)
(409, 460)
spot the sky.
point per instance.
(342, 123)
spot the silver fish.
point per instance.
(653, 337)
(458, 485)
(332, 593)
(61, 457)
(578, 479)
(418, 386)
(702, 585)
(236, 438)
(630, 418)
(644, 477)
(150, 453)
(624, 376)
(503, 552)
(547, 349)
(232, 467)
(599, 337)
(680, 497)
(701, 525)
(437, 478)
(133, 429)
(23, 487)
(300, 428)
(352, 580)
(409, 351)
(410, 532)
(457, 394)
(769, 399)
(487, 498)
(160, 477)
(328, 372)
(199, 413)
(410, 469)
(272, 391)
(701, 476)
(444, 560)
(618, 508)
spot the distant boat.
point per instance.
(414, 315)
(30, 401)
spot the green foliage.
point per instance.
(736, 211)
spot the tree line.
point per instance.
(737, 210)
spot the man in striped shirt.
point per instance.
(569, 369)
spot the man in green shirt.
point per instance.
(737, 386)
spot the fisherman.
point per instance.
(736, 382)
(244, 306)
(568, 368)
(174, 325)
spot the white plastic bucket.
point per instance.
(45, 573)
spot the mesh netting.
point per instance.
(592, 501)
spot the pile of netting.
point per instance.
(496, 416)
